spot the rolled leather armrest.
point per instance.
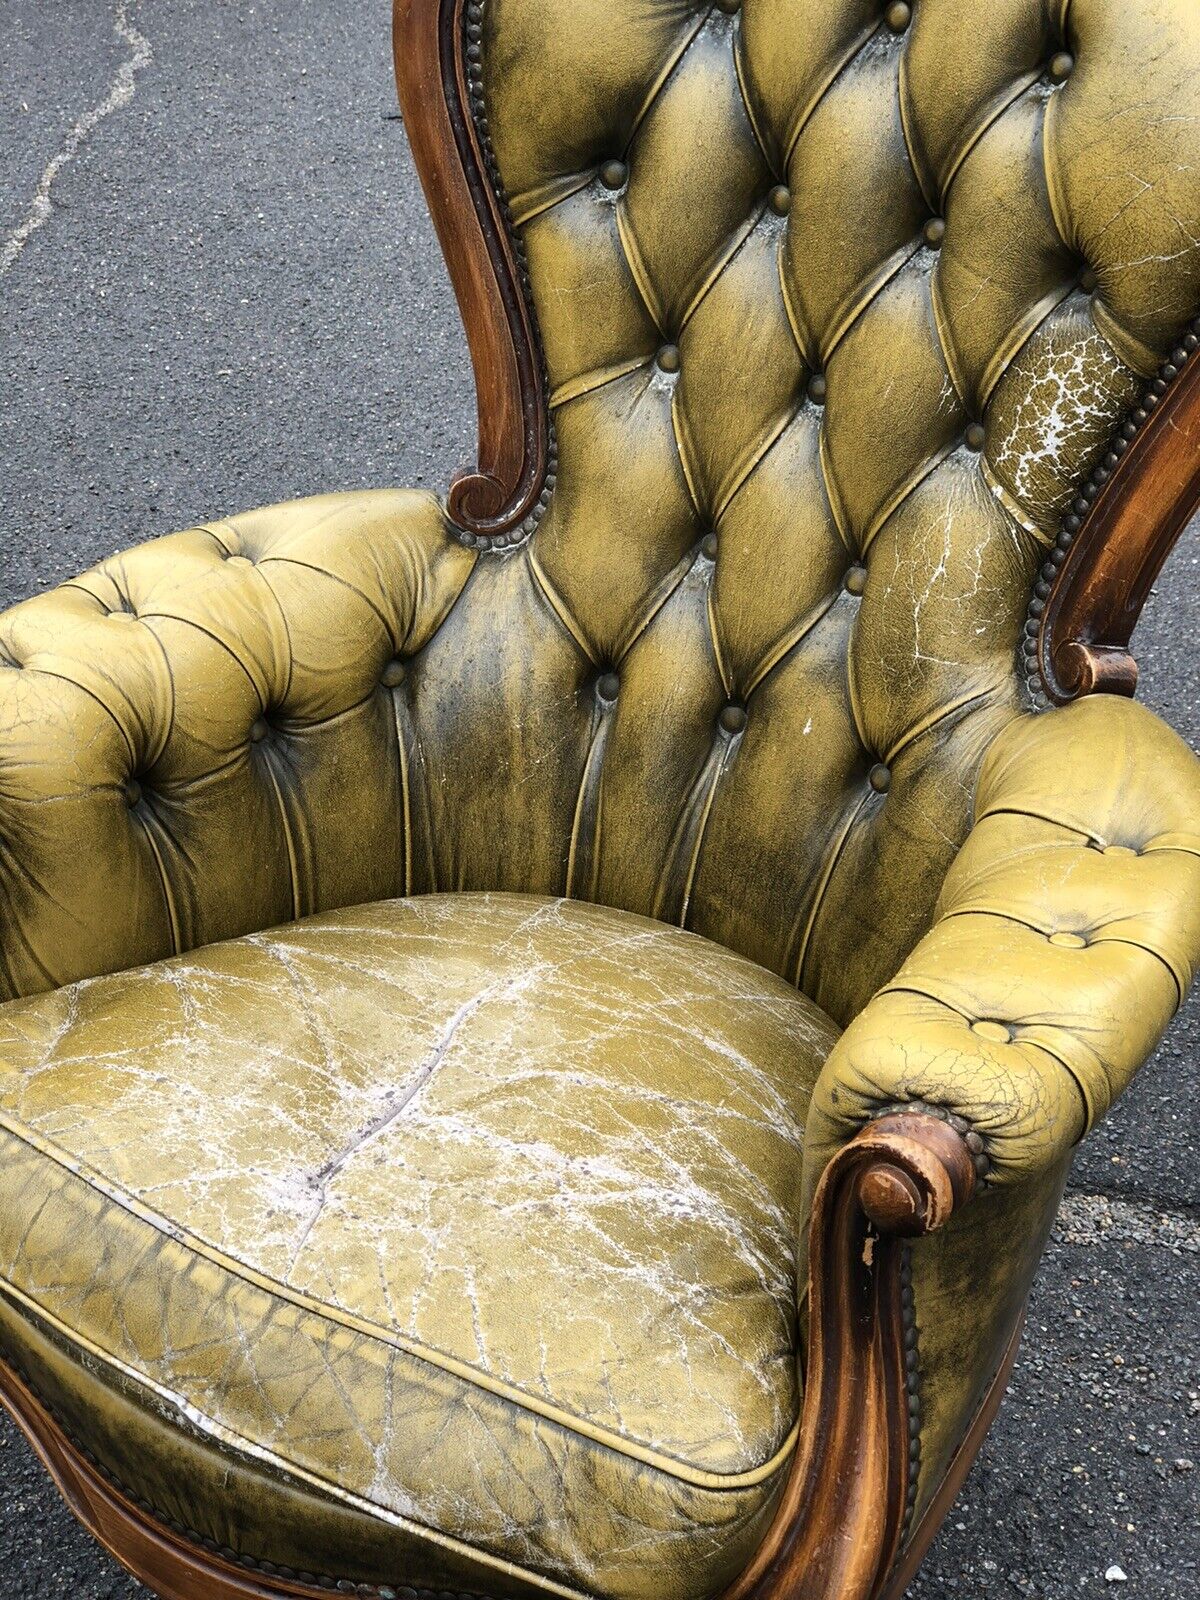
(203, 737)
(1065, 938)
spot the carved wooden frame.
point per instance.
(843, 1528)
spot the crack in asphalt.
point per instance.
(120, 93)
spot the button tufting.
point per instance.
(856, 580)
(729, 7)
(613, 174)
(708, 546)
(975, 436)
(1089, 280)
(608, 687)
(817, 389)
(1068, 941)
(898, 16)
(668, 358)
(880, 778)
(780, 200)
(1061, 66)
(258, 730)
(393, 675)
(733, 718)
(238, 561)
(133, 793)
(1119, 850)
(934, 232)
(119, 614)
(994, 1032)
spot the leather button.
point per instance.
(1068, 941)
(898, 16)
(238, 561)
(880, 778)
(1119, 850)
(1089, 281)
(668, 358)
(733, 718)
(993, 1032)
(975, 436)
(817, 389)
(780, 200)
(1061, 66)
(122, 615)
(133, 792)
(613, 174)
(708, 546)
(258, 730)
(393, 675)
(729, 7)
(856, 580)
(608, 687)
(934, 232)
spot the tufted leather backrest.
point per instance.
(837, 305)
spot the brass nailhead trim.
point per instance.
(477, 105)
(1124, 435)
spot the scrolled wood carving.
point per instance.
(1118, 532)
(441, 96)
(850, 1493)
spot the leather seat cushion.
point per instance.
(470, 1219)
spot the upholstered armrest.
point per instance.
(1065, 937)
(204, 736)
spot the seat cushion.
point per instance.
(450, 1241)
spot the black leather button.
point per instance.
(133, 793)
(934, 232)
(1089, 281)
(975, 436)
(733, 718)
(668, 358)
(608, 687)
(880, 778)
(817, 389)
(729, 7)
(613, 174)
(393, 675)
(708, 546)
(856, 580)
(259, 730)
(898, 16)
(1061, 66)
(780, 200)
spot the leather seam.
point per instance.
(321, 1311)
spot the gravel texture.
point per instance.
(234, 296)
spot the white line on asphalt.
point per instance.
(121, 93)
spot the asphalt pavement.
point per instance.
(219, 288)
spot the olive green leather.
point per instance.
(475, 1215)
(754, 674)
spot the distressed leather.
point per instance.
(754, 675)
(474, 1216)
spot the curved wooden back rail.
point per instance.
(441, 96)
(1117, 534)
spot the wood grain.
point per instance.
(491, 501)
(1141, 506)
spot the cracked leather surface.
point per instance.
(742, 679)
(478, 1212)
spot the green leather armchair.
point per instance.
(543, 1033)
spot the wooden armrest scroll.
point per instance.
(851, 1490)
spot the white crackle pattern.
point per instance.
(120, 94)
(548, 1151)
